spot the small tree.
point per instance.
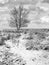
(19, 17)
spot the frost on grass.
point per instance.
(11, 59)
(29, 50)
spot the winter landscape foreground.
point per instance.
(30, 48)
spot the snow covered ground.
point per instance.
(32, 57)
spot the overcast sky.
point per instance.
(38, 16)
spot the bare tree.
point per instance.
(19, 17)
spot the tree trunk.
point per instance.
(19, 20)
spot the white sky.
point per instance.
(43, 20)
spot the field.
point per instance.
(24, 32)
(28, 47)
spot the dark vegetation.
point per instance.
(35, 39)
(46, 48)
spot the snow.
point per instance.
(45, 19)
(34, 57)
(21, 50)
(25, 54)
(3, 1)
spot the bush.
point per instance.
(29, 45)
(7, 60)
(46, 48)
(11, 59)
(2, 41)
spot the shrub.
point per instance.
(11, 59)
(46, 48)
(2, 41)
(7, 60)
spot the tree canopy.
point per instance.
(19, 17)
